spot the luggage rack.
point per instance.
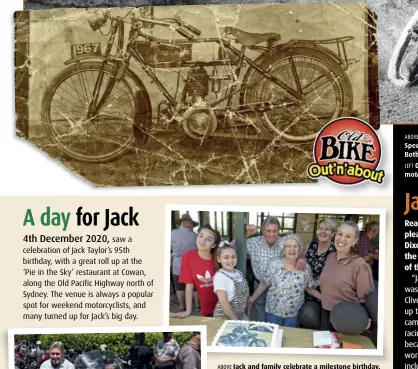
(339, 41)
(341, 49)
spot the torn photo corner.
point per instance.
(192, 95)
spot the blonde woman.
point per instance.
(318, 251)
(286, 284)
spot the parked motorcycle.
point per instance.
(30, 356)
(72, 354)
(19, 361)
(96, 107)
(98, 359)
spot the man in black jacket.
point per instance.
(141, 354)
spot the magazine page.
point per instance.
(209, 184)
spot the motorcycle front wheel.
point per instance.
(258, 343)
(224, 340)
(327, 93)
(103, 137)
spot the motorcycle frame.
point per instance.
(239, 63)
(117, 27)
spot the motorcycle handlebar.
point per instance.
(192, 29)
(185, 33)
(169, 21)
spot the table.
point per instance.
(292, 337)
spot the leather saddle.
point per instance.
(252, 39)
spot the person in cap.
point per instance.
(183, 239)
(141, 355)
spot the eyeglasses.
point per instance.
(291, 246)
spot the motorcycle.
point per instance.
(19, 361)
(98, 359)
(241, 336)
(33, 359)
(72, 354)
(97, 107)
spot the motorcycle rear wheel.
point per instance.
(106, 136)
(328, 93)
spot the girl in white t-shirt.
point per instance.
(230, 285)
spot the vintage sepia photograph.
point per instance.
(278, 278)
(191, 95)
(398, 59)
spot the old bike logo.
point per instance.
(347, 151)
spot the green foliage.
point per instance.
(117, 343)
(32, 338)
(182, 337)
(151, 339)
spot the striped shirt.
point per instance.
(64, 365)
(262, 255)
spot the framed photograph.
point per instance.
(236, 333)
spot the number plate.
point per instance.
(82, 49)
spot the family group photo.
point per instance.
(302, 272)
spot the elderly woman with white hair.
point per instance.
(286, 284)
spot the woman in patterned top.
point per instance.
(286, 285)
(319, 250)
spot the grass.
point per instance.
(169, 160)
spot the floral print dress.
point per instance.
(317, 263)
(286, 294)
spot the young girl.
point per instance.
(198, 268)
(229, 285)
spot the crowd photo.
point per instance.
(139, 350)
(302, 271)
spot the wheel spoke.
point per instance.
(321, 102)
(102, 136)
(296, 77)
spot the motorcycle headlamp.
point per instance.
(97, 20)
